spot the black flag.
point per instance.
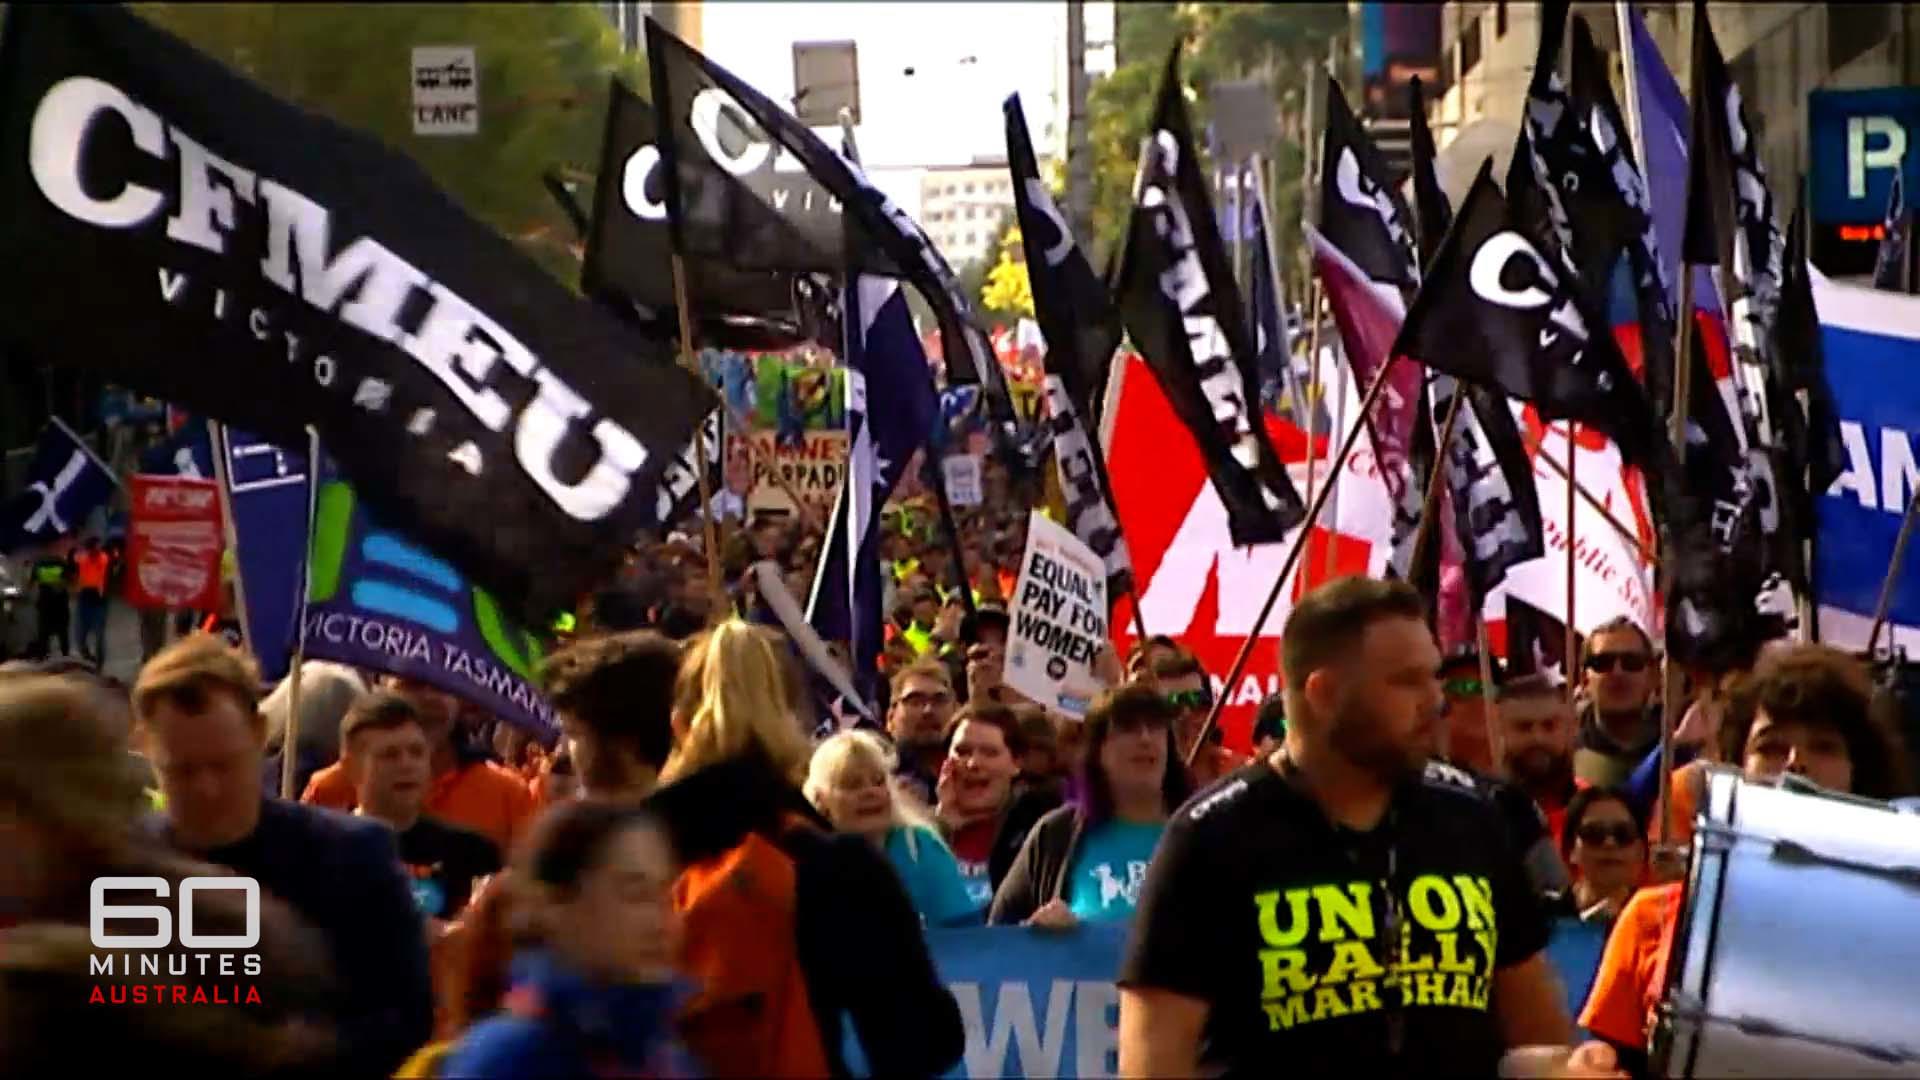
(719, 132)
(628, 249)
(1177, 296)
(1893, 262)
(196, 238)
(1811, 439)
(1076, 319)
(1435, 213)
(1498, 312)
(1591, 94)
(1590, 218)
(1361, 211)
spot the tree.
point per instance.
(1223, 41)
(1008, 292)
(974, 275)
(544, 71)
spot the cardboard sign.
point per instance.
(814, 469)
(1059, 620)
(963, 480)
(174, 542)
(446, 90)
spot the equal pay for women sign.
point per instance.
(1059, 619)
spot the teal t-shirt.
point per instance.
(932, 877)
(1109, 867)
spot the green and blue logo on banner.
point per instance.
(376, 600)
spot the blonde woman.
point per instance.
(733, 787)
(851, 781)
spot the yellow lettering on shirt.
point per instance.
(1433, 902)
(1327, 1003)
(1297, 920)
(1283, 970)
(1353, 960)
(1429, 988)
(1352, 905)
(1477, 892)
(1282, 1015)
(1366, 997)
(1450, 958)
(1460, 993)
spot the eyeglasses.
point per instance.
(1602, 663)
(1599, 833)
(920, 699)
(1463, 688)
(1189, 699)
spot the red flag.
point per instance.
(174, 543)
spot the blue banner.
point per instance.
(1871, 340)
(1038, 1003)
(1856, 141)
(267, 496)
(378, 601)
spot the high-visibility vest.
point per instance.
(92, 567)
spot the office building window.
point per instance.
(1470, 47)
(1499, 19)
(1852, 29)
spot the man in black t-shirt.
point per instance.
(1334, 909)
(390, 766)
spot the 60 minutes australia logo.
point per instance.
(187, 976)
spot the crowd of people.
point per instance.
(704, 875)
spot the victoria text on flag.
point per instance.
(628, 245)
(1177, 296)
(196, 238)
(715, 210)
(66, 483)
(1081, 330)
(891, 410)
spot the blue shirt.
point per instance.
(932, 877)
(1109, 867)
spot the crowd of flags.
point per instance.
(1558, 287)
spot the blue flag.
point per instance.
(188, 452)
(66, 483)
(267, 496)
(1666, 126)
(891, 408)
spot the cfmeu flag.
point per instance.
(66, 482)
(1871, 341)
(891, 409)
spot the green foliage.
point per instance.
(1223, 41)
(544, 71)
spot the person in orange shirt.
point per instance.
(467, 789)
(1804, 711)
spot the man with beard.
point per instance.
(1332, 908)
(922, 704)
(1537, 734)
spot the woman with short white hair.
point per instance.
(850, 780)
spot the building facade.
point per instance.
(962, 206)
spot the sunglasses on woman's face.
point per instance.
(1603, 663)
(1599, 834)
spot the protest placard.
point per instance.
(1059, 619)
(963, 480)
(814, 468)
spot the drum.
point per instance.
(1797, 951)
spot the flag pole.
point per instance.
(1630, 74)
(1286, 569)
(88, 450)
(1573, 561)
(1652, 558)
(1496, 731)
(1338, 463)
(710, 528)
(1894, 565)
(290, 732)
(1430, 507)
(1669, 672)
(1314, 386)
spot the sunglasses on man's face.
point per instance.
(1603, 663)
(1599, 833)
(1189, 699)
(1462, 687)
